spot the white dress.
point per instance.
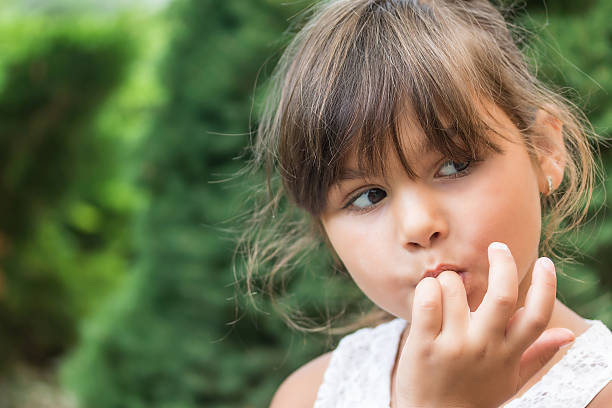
(359, 372)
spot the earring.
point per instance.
(550, 186)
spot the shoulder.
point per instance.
(300, 388)
(603, 399)
(371, 345)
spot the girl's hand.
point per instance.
(459, 359)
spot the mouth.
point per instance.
(444, 267)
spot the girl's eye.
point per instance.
(367, 198)
(452, 168)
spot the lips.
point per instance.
(441, 268)
(462, 272)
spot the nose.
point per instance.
(420, 218)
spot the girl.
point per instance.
(437, 169)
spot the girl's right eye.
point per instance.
(367, 199)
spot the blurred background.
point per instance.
(117, 119)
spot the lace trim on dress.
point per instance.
(578, 377)
(359, 372)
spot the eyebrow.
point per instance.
(351, 174)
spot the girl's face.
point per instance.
(391, 232)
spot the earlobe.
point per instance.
(550, 150)
(552, 173)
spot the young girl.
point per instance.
(437, 169)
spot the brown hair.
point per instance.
(353, 70)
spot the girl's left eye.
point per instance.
(453, 169)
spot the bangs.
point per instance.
(356, 82)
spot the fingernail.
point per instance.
(499, 245)
(566, 345)
(547, 264)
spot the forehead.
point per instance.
(413, 146)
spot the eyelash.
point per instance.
(354, 197)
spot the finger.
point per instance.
(539, 303)
(518, 315)
(542, 351)
(426, 310)
(500, 300)
(455, 309)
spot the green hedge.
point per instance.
(165, 341)
(65, 203)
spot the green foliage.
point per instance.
(63, 240)
(574, 55)
(164, 340)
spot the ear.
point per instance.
(550, 149)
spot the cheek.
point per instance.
(510, 212)
(358, 245)
(366, 252)
(348, 241)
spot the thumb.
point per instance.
(541, 351)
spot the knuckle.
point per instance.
(480, 350)
(504, 301)
(453, 351)
(425, 351)
(508, 357)
(428, 304)
(544, 358)
(538, 322)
